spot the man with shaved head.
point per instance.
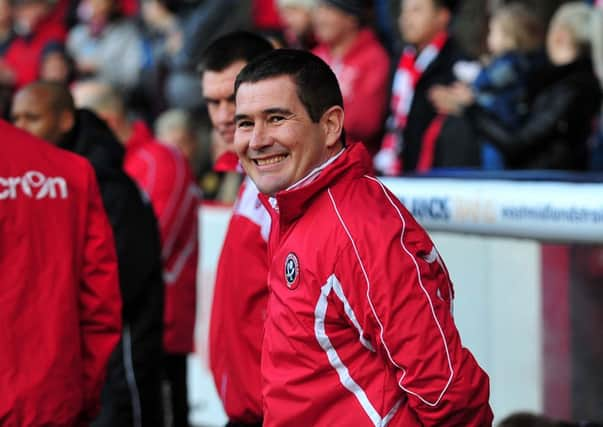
(165, 175)
(132, 394)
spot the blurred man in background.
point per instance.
(240, 292)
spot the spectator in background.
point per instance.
(177, 129)
(200, 26)
(35, 28)
(164, 174)
(59, 285)
(163, 38)
(56, 65)
(555, 132)
(132, 393)
(514, 41)
(240, 293)
(360, 63)
(413, 139)
(105, 45)
(296, 16)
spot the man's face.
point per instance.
(332, 25)
(32, 111)
(421, 20)
(277, 142)
(218, 92)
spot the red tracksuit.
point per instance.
(239, 308)
(359, 330)
(166, 177)
(60, 307)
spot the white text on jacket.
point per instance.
(33, 184)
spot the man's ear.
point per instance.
(66, 121)
(332, 124)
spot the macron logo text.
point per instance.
(34, 185)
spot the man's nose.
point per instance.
(259, 137)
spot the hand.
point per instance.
(463, 93)
(87, 67)
(451, 99)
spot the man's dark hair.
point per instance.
(232, 47)
(317, 86)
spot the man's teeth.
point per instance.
(270, 160)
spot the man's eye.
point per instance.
(276, 119)
(244, 123)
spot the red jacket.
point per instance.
(359, 330)
(363, 75)
(23, 55)
(239, 308)
(60, 307)
(166, 177)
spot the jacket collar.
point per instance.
(353, 161)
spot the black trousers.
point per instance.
(174, 369)
(131, 395)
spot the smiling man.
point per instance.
(358, 326)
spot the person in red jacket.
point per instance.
(359, 329)
(36, 27)
(240, 291)
(360, 63)
(166, 177)
(59, 289)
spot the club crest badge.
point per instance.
(292, 271)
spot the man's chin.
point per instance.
(227, 137)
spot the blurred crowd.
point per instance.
(484, 85)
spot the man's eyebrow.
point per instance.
(277, 110)
(238, 117)
(266, 112)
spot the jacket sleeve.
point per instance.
(540, 125)
(401, 289)
(99, 300)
